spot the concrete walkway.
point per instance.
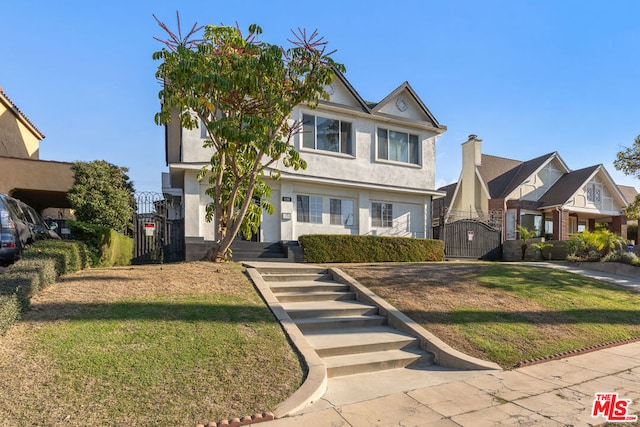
(554, 393)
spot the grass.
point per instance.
(173, 345)
(504, 313)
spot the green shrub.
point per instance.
(624, 257)
(94, 236)
(321, 248)
(66, 254)
(105, 247)
(45, 268)
(21, 283)
(9, 312)
(39, 267)
(593, 245)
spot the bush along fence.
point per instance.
(324, 248)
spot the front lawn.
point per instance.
(506, 313)
(171, 345)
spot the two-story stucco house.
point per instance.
(541, 194)
(370, 170)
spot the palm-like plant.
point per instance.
(525, 235)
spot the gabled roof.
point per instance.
(11, 106)
(628, 192)
(565, 187)
(502, 175)
(450, 191)
(370, 107)
(497, 173)
(365, 106)
(406, 87)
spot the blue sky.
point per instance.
(528, 77)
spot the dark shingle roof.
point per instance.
(566, 186)
(628, 192)
(497, 173)
(502, 175)
(447, 199)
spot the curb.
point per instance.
(577, 352)
(315, 384)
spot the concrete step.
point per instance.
(309, 286)
(308, 309)
(295, 276)
(350, 364)
(255, 251)
(311, 324)
(337, 342)
(314, 296)
(274, 269)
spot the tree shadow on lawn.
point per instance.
(563, 317)
(190, 312)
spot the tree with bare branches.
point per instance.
(244, 91)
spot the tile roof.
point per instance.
(14, 108)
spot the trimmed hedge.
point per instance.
(39, 267)
(9, 312)
(324, 248)
(67, 255)
(106, 246)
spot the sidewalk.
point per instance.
(555, 393)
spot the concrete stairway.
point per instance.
(243, 250)
(350, 336)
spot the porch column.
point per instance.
(560, 225)
(619, 225)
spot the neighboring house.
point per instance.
(40, 184)
(541, 194)
(370, 170)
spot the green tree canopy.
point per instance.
(628, 162)
(102, 194)
(244, 91)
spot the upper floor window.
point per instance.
(203, 130)
(326, 134)
(594, 193)
(398, 146)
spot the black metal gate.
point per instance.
(477, 238)
(158, 230)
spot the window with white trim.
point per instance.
(204, 133)
(381, 214)
(398, 146)
(593, 193)
(309, 209)
(341, 212)
(322, 133)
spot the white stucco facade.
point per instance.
(378, 177)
